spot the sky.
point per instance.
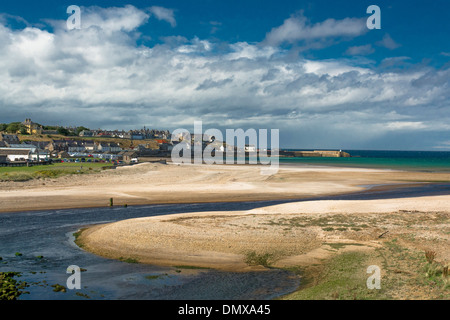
(311, 69)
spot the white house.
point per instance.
(24, 146)
(16, 154)
(43, 156)
(108, 147)
(102, 146)
(75, 146)
(250, 148)
(89, 145)
(114, 147)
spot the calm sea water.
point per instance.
(398, 160)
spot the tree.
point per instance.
(50, 127)
(79, 129)
(14, 127)
(63, 131)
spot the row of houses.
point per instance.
(68, 148)
(142, 134)
(12, 141)
(15, 150)
(72, 146)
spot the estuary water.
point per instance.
(43, 241)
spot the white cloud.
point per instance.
(195, 46)
(128, 18)
(405, 125)
(360, 50)
(388, 42)
(298, 28)
(98, 76)
(164, 14)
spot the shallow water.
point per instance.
(50, 234)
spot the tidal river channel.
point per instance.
(40, 245)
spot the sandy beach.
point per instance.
(154, 183)
(292, 234)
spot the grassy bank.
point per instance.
(405, 274)
(49, 171)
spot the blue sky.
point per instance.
(309, 68)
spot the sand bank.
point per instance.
(286, 235)
(158, 183)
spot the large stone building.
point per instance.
(31, 127)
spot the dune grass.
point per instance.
(20, 174)
(405, 274)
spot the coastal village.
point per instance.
(311, 235)
(27, 143)
(33, 143)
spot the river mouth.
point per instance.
(44, 240)
(44, 244)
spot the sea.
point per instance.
(425, 161)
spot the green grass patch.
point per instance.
(128, 260)
(342, 278)
(252, 258)
(77, 235)
(190, 267)
(406, 273)
(10, 288)
(339, 245)
(156, 276)
(55, 170)
(335, 222)
(83, 295)
(59, 288)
